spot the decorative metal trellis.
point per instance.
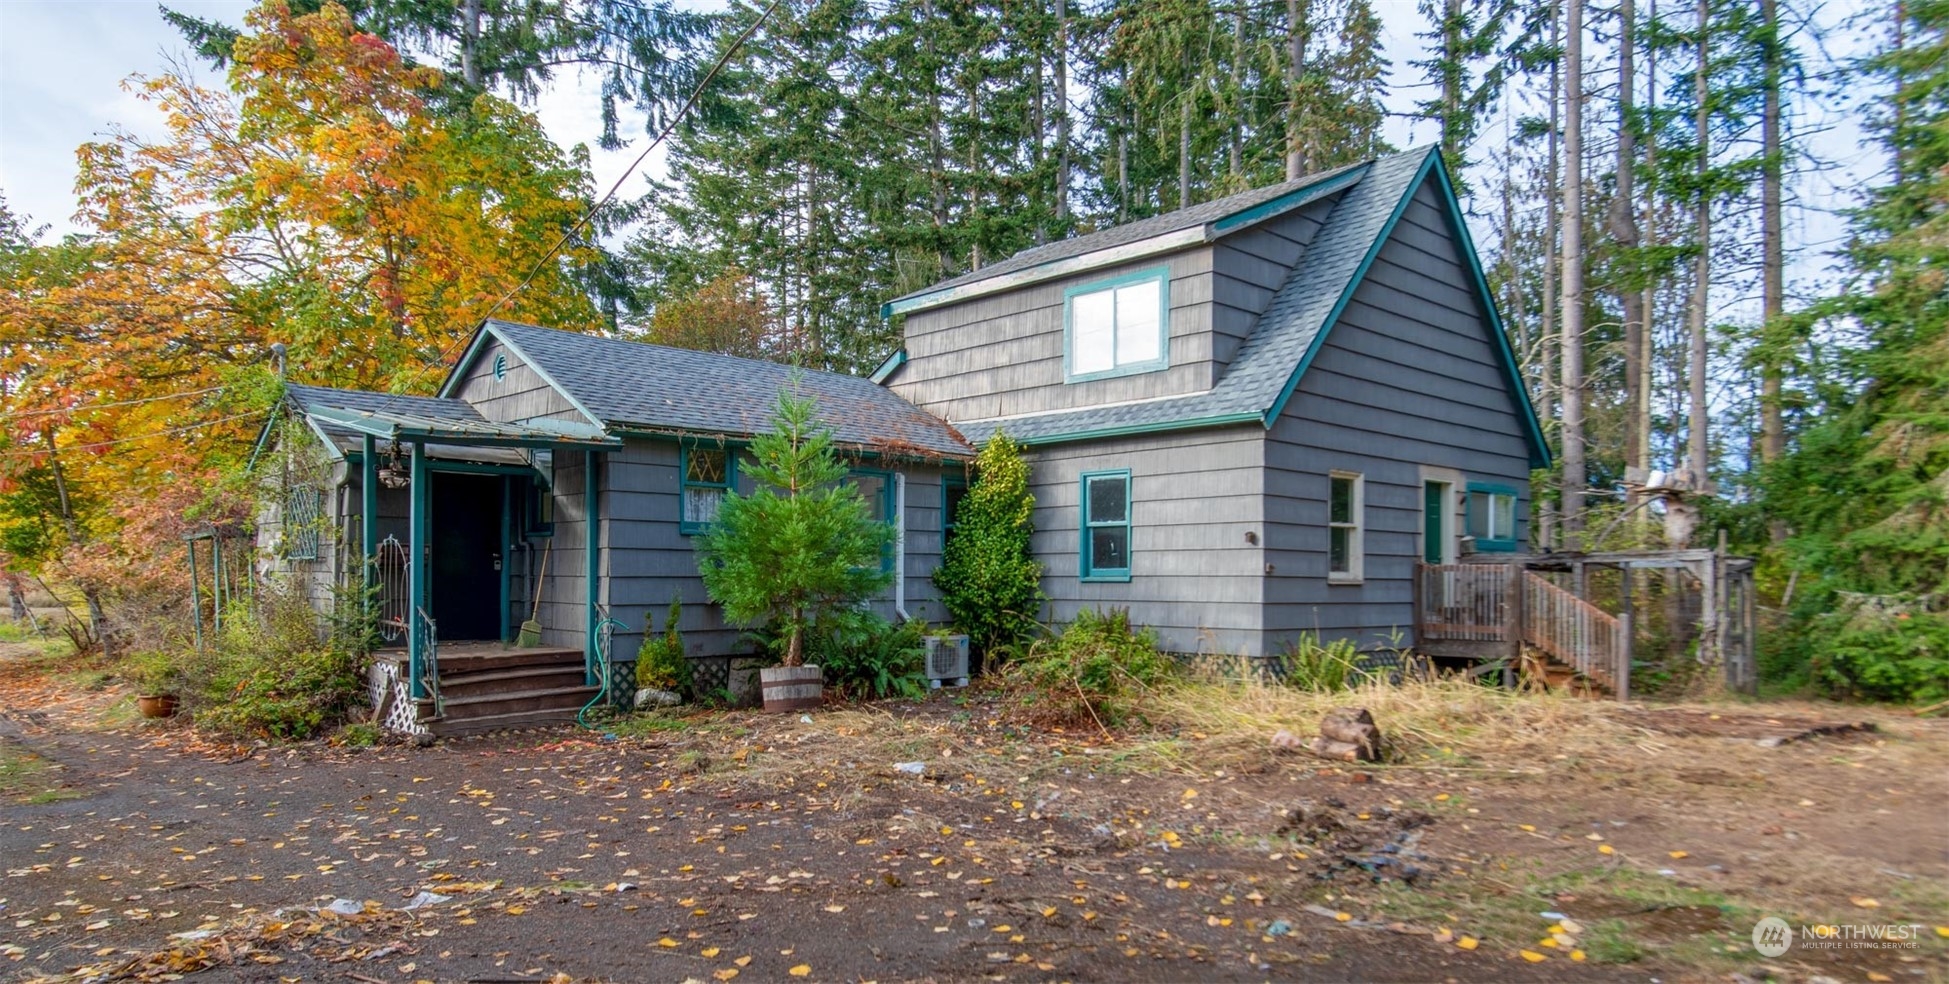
(391, 566)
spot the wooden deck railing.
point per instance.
(1467, 602)
(1577, 633)
(1478, 605)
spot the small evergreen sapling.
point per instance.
(990, 583)
(802, 545)
(660, 661)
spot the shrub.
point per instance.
(660, 661)
(990, 583)
(1308, 665)
(867, 656)
(800, 547)
(1904, 659)
(1096, 670)
(269, 673)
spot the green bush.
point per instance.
(1307, 665)
(1096, 670)
(1906, 658)
(989, 581)
(271, 673)
(864, 655)
(660, 661)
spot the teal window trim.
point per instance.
(1085, 523)
(948, 484)
(886, 507)
(1162, 276)
(685, 484)
(1500, 544)
(539, 519)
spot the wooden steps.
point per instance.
(1541, 670)
(484, 687)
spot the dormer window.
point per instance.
(1117, 327)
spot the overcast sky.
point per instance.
(63, 62)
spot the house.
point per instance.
(1250, 418)
(1246, 420)
(537, 439)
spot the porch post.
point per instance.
(368, 524)
(416, 571)
(592, 542)
(505, 554)
(195, 598)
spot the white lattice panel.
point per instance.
(402, 715)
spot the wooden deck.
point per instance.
(488, 686)
(1491, 611)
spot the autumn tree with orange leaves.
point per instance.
(313, 201)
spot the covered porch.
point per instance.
(464, 529)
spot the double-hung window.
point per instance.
(1345, 508)
(1105, 526)
(707, 476)
(1117, 327)
(1492, 518)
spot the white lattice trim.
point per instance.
(402, 715)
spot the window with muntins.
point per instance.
(1106, 526)
(1492, 518)
(1117, 327)
(706, 478)
(1345, 550)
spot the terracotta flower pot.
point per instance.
(791, 688)
(156, 705)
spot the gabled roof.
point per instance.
(635, 386)
(1268, 367)
(1188, 226)
(342, 418)
(311, 398)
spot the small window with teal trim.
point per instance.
(876, 487)
(539, 518)
(1105, 526)
(954, 488)
(1117, 327)
(1492, 517)
(707, 475)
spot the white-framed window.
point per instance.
(1346, 508)
(1118, 326)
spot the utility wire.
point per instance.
(51, 411)
(447, 353)
(35, 453)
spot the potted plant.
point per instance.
(155, 678)
(801, 546)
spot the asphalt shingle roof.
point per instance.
(1258, 375)
(635, 385)
(307, 398)
(1188, 217)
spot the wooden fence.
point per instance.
(1577, 633)
(1466, 602)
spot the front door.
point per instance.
(464, 583)
(1434, 522)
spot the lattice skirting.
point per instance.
(726, 677)
(622, 683)
(402, 715)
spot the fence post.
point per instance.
(1420, 602)
(1627, 642)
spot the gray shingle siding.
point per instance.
(520, 395)
(1194, 496)
(1409, 377)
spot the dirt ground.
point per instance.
(737, 845)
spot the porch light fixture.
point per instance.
(394, 474)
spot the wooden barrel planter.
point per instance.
(791, 688)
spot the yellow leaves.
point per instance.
(744, 961)
(1468, 942)
(1527, 827)
(1606, 849)
(1189, 794)
(835, 908)
(1864, 902)
(1678, 855)
(1532, 956)
(1049, 912)
(1942, 931)
(666, 942)
(802, 970)
(1343, 917)
(1577, 956)
(710, 951)
(1879, 977)
(726, 974)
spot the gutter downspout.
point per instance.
(900, 546)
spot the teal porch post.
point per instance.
(592, 496)
(416, 565)
(195, 598)
(368, 524)
(505, 555)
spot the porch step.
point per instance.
(454, 728)
(465, 661)
(511, 681)
(557, 699)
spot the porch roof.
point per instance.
(344, 417)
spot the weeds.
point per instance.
(1097, 670)
(1308, 665)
